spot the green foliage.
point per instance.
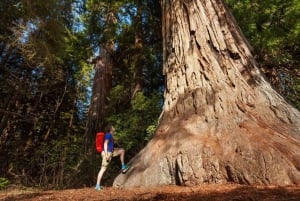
(3, 182)
(45, 77)
(270, 25)
(135, 125)
(150, 131)
(101, 23)
(135, 118)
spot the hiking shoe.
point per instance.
(125, 168)
(98, 188)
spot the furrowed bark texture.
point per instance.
(222, 121)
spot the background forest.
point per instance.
(48, 51)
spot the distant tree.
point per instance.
(103, 67)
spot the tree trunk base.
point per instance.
(245, 153)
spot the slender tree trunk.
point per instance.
(139, 56)
(222, 122)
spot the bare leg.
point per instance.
(100, 174)
(120, 152)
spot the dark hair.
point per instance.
(108, 128)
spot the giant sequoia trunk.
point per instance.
(222, 121)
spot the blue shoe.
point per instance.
(125, 168)
(98, 187)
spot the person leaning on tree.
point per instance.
(108, 152)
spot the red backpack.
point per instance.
(100, 141)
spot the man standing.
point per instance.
(108, 152)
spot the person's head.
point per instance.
(110, 129)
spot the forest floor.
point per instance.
(171, 193)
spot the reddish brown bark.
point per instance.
(222, 122)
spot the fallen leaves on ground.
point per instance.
(228, 192)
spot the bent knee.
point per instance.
(122, 150)
(119, 151)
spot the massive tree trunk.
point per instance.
(222, 122)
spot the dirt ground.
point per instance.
(171, 193)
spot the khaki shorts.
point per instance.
(106, 161)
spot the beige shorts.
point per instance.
(106, 161)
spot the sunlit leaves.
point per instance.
(3, 182)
